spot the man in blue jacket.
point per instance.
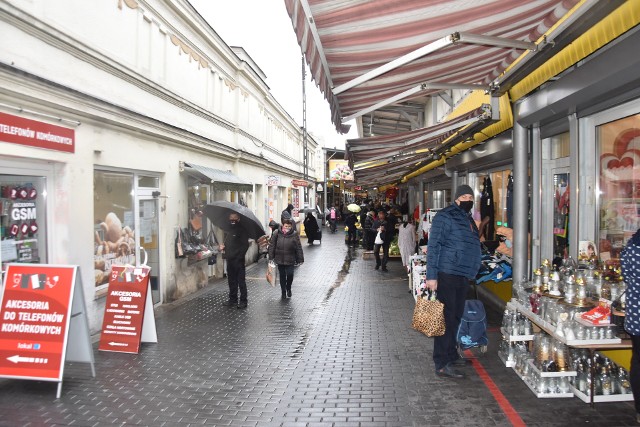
(453, 259)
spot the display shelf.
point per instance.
(598, 398)
(550, 374)
(542, 395)
(584, 322)
(513, 338)
(550, 329)
(507, 363)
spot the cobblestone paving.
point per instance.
(341, 352)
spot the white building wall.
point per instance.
(151, 85)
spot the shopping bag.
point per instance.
(272, 273)
(428, 316)
(378, 240)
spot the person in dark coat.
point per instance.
(285, 250)
(311, 228)
(453, 259)
(352, 231)
(369, 234)
(386, 233)
(288, 214)
(630, 265)
(235, 246)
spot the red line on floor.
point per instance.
(504, 404)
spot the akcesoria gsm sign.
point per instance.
(18, 130)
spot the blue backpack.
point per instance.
(473, 326)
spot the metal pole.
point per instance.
(536, 196)
(520, 200)
(305, 147)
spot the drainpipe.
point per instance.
(520, 200)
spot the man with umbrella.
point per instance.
(236, 244)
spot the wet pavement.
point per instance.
(340, 352)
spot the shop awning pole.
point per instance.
(520, 202)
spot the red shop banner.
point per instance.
(18, 130)
(34, 320)
(128, 315)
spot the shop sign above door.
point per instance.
(299, 183)
(272, 180)
(18, 130)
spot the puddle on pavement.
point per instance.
(342, 274)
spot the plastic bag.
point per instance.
(272, 273)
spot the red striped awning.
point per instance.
(353, 47)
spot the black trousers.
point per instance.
(236, 276)
(286, 277)
(385, 254)
(352, 235)
(634, 373)
(452, 292)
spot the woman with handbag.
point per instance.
(286, 250)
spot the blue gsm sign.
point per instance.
(23, 210)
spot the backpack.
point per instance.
(472, 331)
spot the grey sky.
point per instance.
(264, 30)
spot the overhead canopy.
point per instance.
(218, 179)
(369, 55)
(408, 145)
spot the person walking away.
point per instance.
(288, 213)
(350, 223)
(453, 259)
(311, 228)
(235, 246)
(630, 265)
(407, 242)
(381, 225)
(285, 250)
(369, 232)
(332, 219)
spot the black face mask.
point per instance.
(467, 205)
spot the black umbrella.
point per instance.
(218, 213)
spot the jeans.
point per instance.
(452, 292)
(385, 254)
(286, 277)
(634, 373)
(236, 277)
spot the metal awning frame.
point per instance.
(199, 173)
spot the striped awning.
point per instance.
(365, 54)
(217, 178)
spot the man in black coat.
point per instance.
(350, 223)
(386, 233)
(236, 244)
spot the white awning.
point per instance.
(217, 178)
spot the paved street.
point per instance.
(340, 352)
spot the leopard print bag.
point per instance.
(428, 316)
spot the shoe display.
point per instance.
(449, 372)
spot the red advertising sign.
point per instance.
(299, 183)
(124, 309)
(34, 320)
(19, 130)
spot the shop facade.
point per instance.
(139, 130)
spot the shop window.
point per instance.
(114, 221)
(22, 219)
(619, 184)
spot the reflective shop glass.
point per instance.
(113, 212)
(619, 184)
(23, 219)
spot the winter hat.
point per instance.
(462, 190)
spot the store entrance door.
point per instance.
(148, 241)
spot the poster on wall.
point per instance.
(619, 143)
(340, 170)
(114, 245)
